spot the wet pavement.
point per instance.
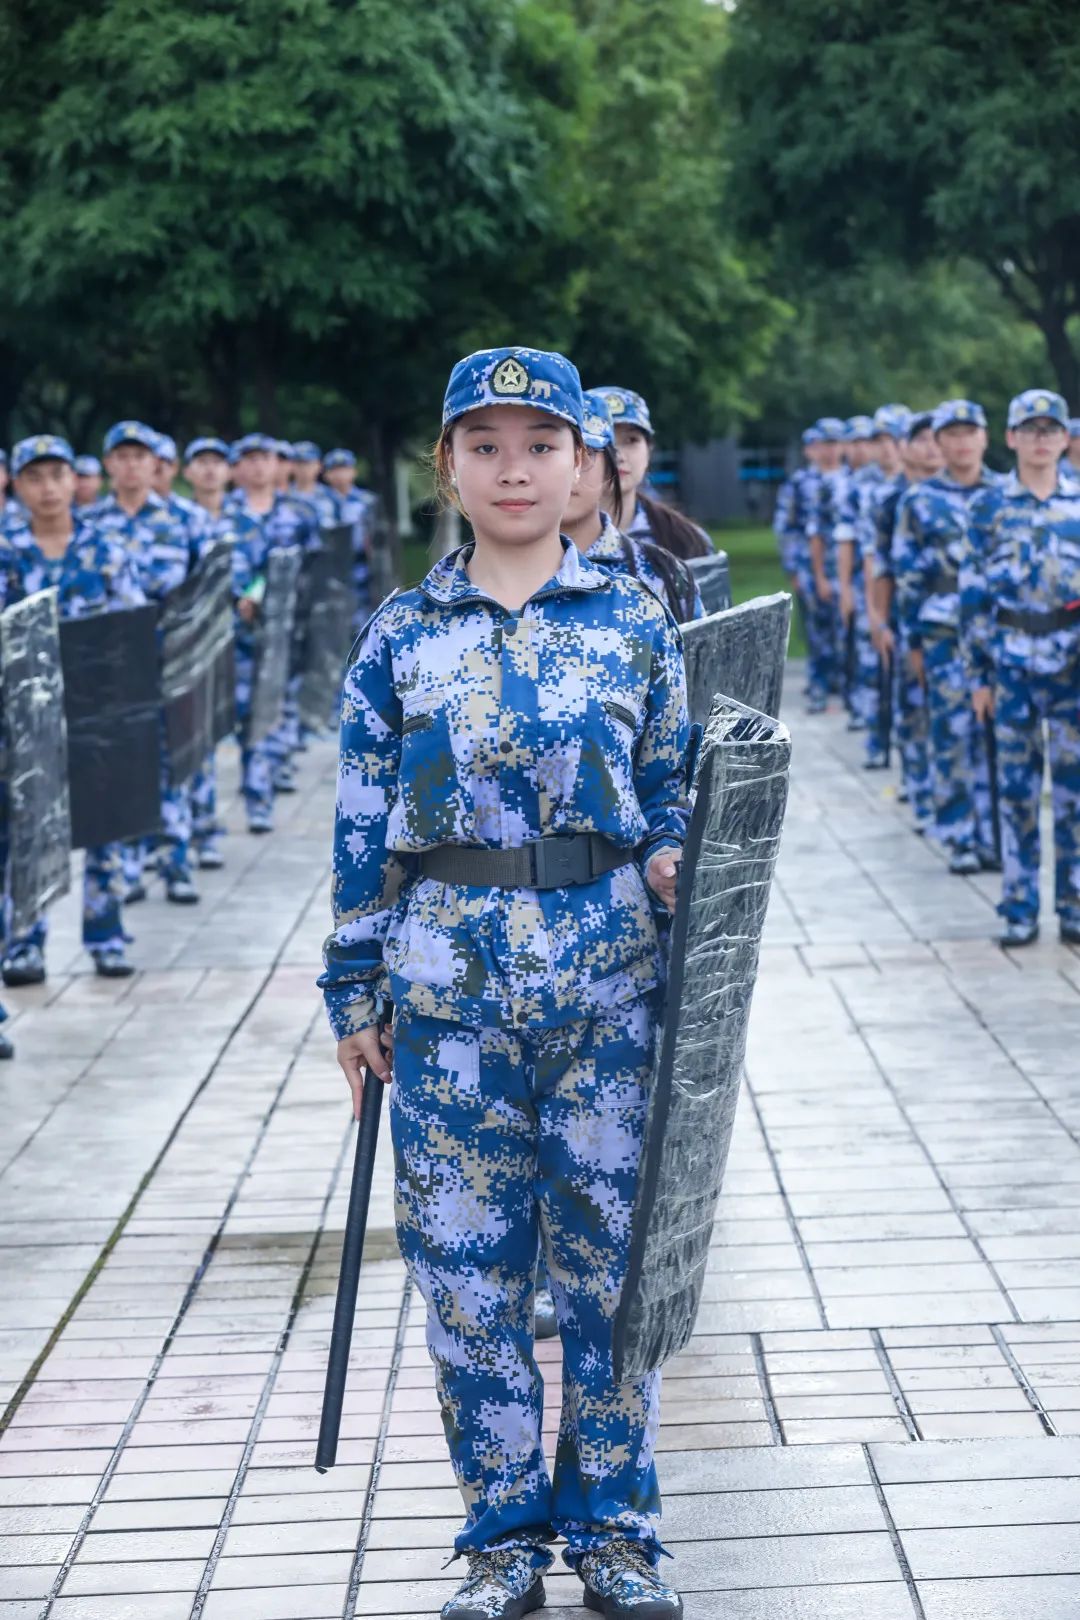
(878, 1417)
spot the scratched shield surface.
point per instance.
(712, 576)
(35, 736)
(740, 653)
(731, 850)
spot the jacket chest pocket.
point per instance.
(428, 778)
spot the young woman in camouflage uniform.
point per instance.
(509, 822)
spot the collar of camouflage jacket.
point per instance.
(448, 582)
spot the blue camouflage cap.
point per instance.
(598, 430)
(860, 428)
(958, 413)
(252, 442)
(338, 458)
(920, 421)
(833, 429)
(88, 466)
(3, 458)
(1074, 427)
(131, 433)
(285, 450)
(166, 447)
(206, 447)
(893, 420)
(536, 377)
(812, 435)
(42, 447)
(627, 408)
(1036, 403)
(306, 450)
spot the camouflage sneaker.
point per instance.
(501, 1585)
(622, 1584)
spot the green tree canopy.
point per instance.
(864, 129)
(300, 212)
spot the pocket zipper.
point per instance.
(627, 716)
(417, 722)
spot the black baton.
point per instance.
(885, 704)
(352, 1253)
(991, 771)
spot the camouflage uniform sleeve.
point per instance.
(909, 570)
(366, 876)
(784, 523)
(976, 598)
(883, 516)
(659, 773)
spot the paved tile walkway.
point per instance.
(879, 1416)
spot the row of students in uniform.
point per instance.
(133, 545)
(972, 601)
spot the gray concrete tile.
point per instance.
(1048, 1597)
(1004, 1550)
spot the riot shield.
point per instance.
(731, 850)
(712, 576)
(273, 644)
(112, 704)
(740, 653)
(38, 807)
(198, 675)
(331, 602)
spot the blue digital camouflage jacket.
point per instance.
(290, 524)
(883, 509)
(164, 542)
(928, 542)
(854, 525)
(96, 574)
(793, 500)
(826, 494)
(1021, 553)
(610, 549)
(467, 724)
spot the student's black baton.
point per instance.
(885, 704)
(352, 1253)
(992, 773)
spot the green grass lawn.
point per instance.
(755, 569)
(755, 566)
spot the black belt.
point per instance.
(547, 863)
(1040, 624)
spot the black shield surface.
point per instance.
(112, 704)
(712, 576)
(198, 681)
(330, 599)
(39, 814)
(731, 850)
(273, 644)
(740, 653)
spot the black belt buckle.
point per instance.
(559, 862)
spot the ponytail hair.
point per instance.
(674, 532)
(612, 485)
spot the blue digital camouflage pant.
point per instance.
(821, 642)
(1023, 706)
(959, 779)
(499, 1137)
(256, 761)
(174, 841)
(912, 728)
(204, 822)
(104, 887)
(864, 694)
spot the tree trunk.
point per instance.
(1062, 356)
